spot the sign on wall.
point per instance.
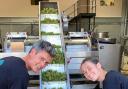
(107, 2)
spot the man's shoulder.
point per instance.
(111, 78)
(113, 73)
(115, 76)
(13, 63)
(11, 59)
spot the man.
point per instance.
(14, 70)
(93, 70)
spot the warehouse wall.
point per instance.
(64, 4)
(17, 8)
(23, 8)
(109, 11)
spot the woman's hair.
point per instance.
(44, 45)
(91, 59)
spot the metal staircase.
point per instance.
(81, 16)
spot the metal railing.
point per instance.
(74, 10)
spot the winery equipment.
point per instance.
(102, 35)
(78, 46)
(107, 40)
(109, 56)
(55, 75)
(14, 41)
(18, 42)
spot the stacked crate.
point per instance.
(54, 76)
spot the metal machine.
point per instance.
(109, 56)
(18, 42)
(78, 46)
(14, 41)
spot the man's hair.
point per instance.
(94, 60)
(44, 45)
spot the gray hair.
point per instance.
(44, 45)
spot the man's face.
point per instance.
(91, 71)
(39, 60)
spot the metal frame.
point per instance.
(62, 43)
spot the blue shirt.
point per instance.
(115, 80)
(13, 73)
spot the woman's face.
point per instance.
(91, 71)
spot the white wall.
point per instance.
(23, 8)
(109, 11)
(64, 4)
(17, 8)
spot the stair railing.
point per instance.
(74, 9)
(71, 11)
